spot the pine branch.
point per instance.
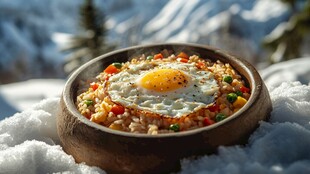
(286, 40)
(91, 43)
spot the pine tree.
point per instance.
(287, 44)
(92, 42)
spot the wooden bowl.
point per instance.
(122, 152)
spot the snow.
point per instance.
(178, 20)
(264, 5)
(292, 70)
(278, 146)
(29, 141)
(30, 39)
(20, 96)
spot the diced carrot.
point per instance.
(111, 69)
(94, 86)
(244, 89)
(207, 121)
(183, 55)
(158, 56)
(200, 65)
(214, 108)
(117, 109)
(182, 60)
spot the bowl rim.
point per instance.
(256, 87)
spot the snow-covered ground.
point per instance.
(29, 142)
(16, 97)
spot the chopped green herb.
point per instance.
(117, 65)
(149, 57)
(89, 102)
(175, 127)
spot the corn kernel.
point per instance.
(115, 126)
(106, 106)
(239, 102)
(99, 117)
(108, 101)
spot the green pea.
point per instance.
(89, 102)
(220, 117)
(117, 65)
(239, 93)
(231, 97)
(149, 57)
(175, 127)
(228, 79)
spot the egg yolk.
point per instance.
(163, 80)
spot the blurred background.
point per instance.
(42, 41)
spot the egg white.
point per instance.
(124, 88)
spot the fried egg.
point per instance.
(172, 89)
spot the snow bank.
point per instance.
(292, 70)
(278, 146)
(19, 96)
(29, 141)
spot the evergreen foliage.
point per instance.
(286, 43)
(92, 42)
